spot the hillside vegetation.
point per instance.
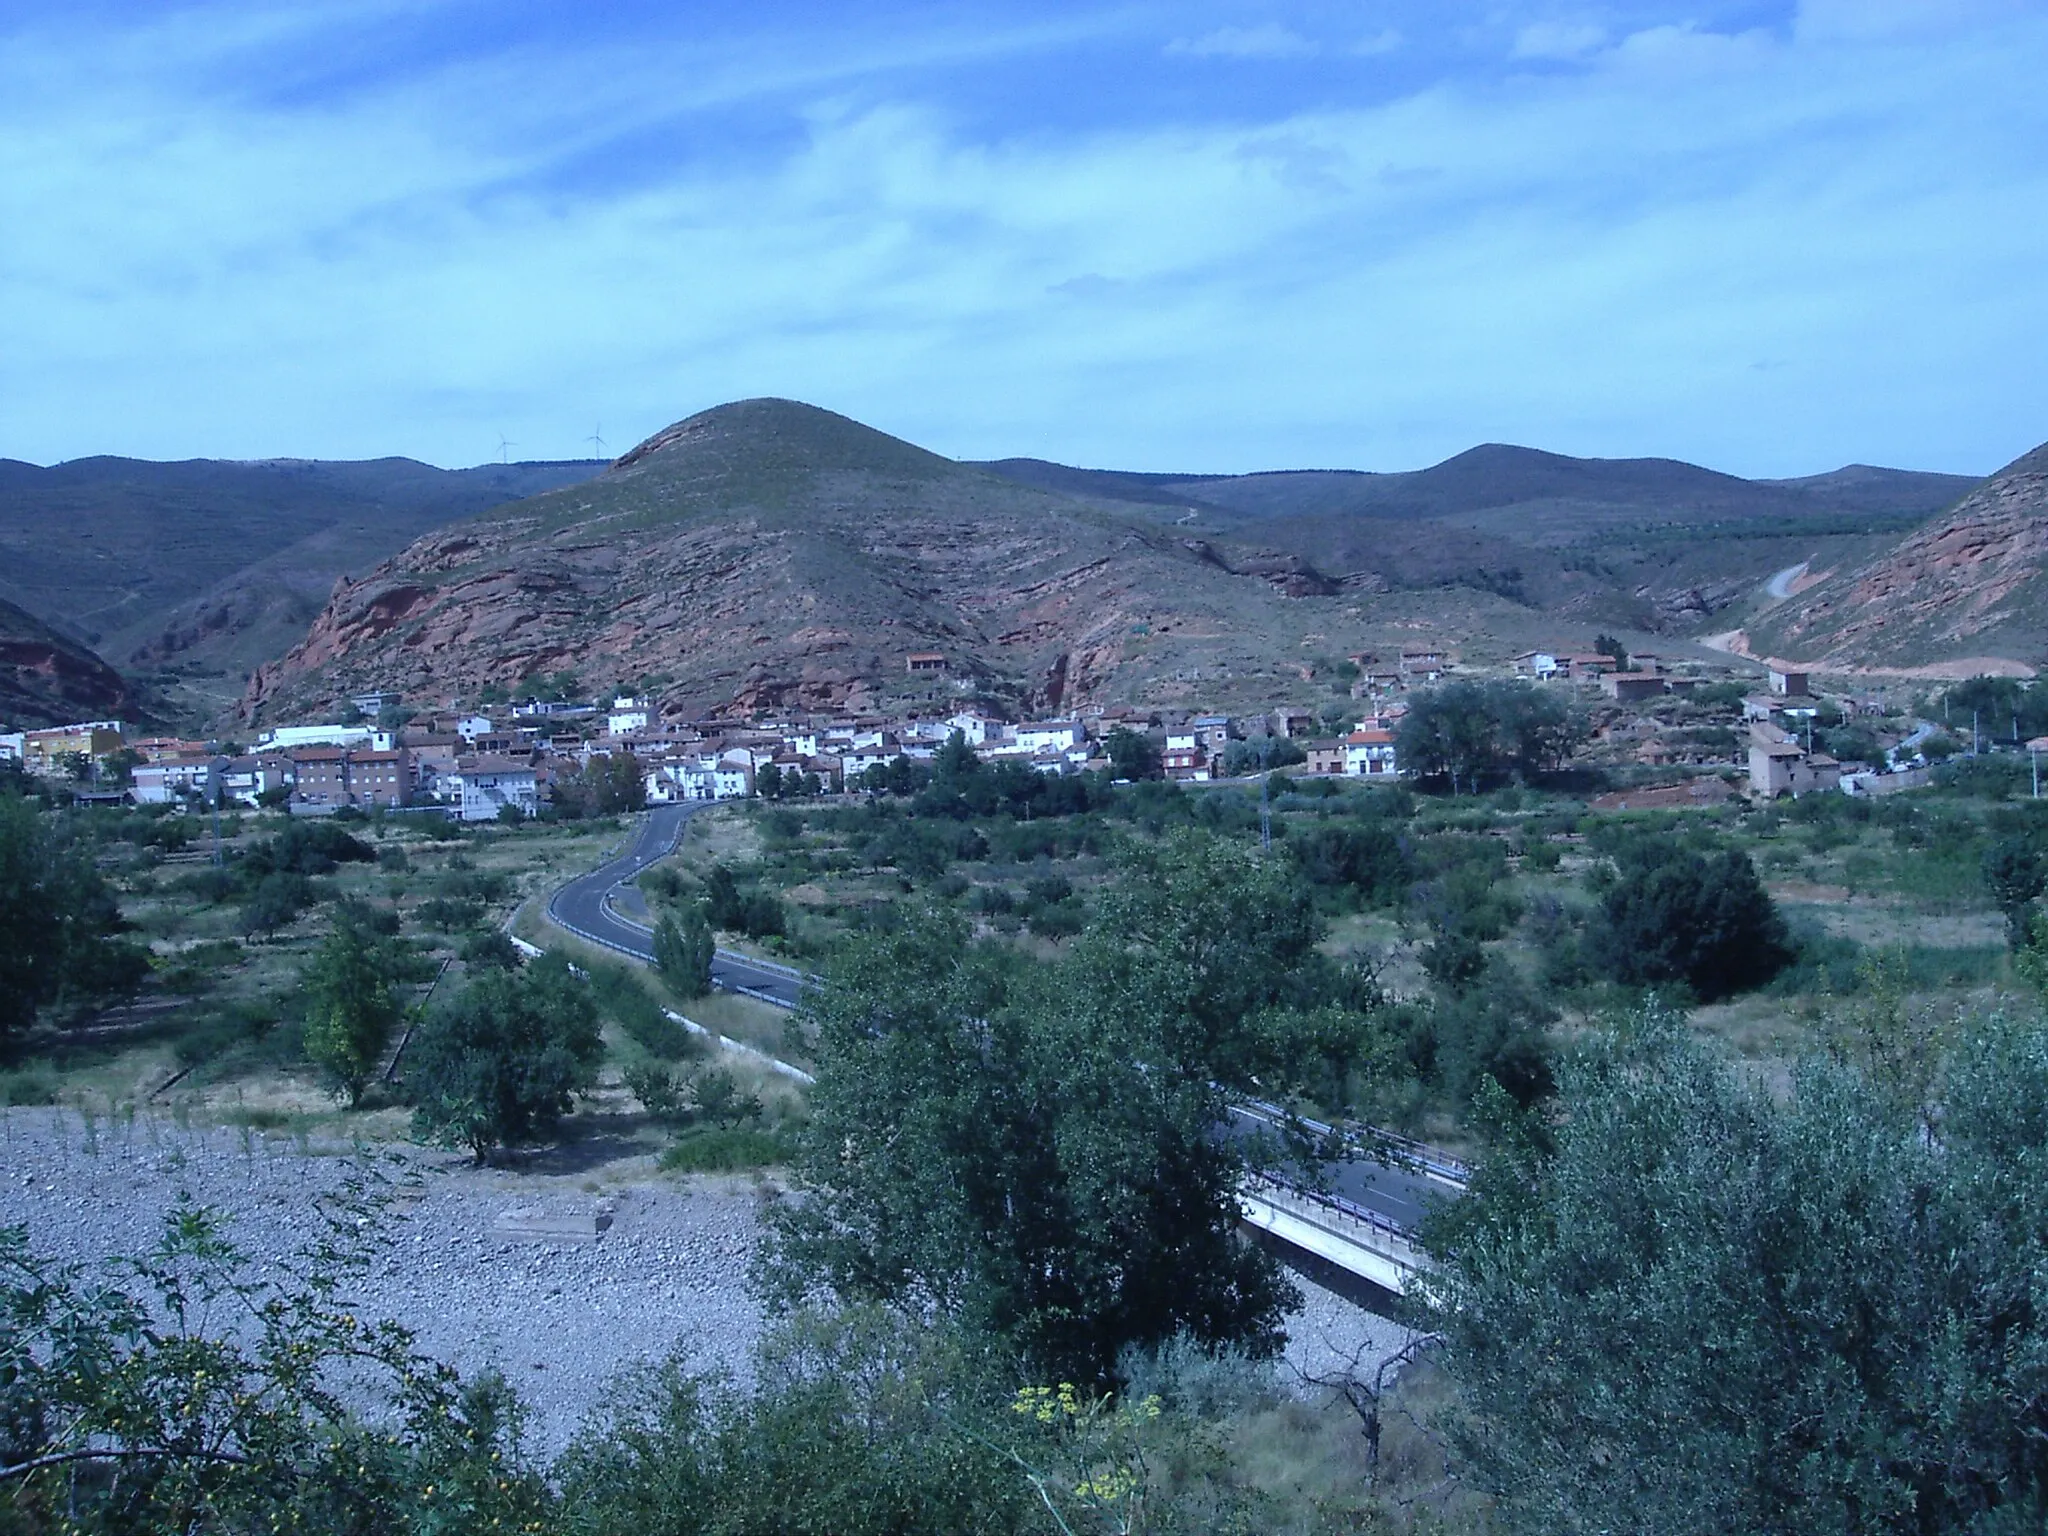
(770, 554)
(1973, 583)
(187, 575)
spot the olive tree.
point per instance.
(503, 1063)
(1696, 1302)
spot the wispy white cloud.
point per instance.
(1559, 40)
(1773, 251)
(1269, 41)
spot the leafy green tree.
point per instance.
(1132, 754)
(768, 782)
(351, 1012)
(954, 763)
(503, 1063)
(684, 950)
(1676, 915)
(1472, 734)
(1043, 1172)
(1608, 645)
(180, 1392)
(2016, 872)
(1033, 1147)
(59, 923)
(1696, 1302)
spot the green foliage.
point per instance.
(1717, 1307)
(725, 1149)
(756, 913)
(1132, 754)
(1473, 734)
(2016, 872)
(177, 1392)
(621, 995)
(683, 951)
(862, 1425)
(1676, 915)
(59, 923)
(1241, 758)
(276, 900)
(1032, 1147)
(610, 784)
(502, 1064)
(351, 1013)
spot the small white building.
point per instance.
(286, 737)
(627, 715)
(1370, 754)
(1058, 735)
(167, 783)
(978, 729)
(484, 786)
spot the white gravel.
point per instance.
(560, 1317)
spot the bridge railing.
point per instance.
(1367, 1140)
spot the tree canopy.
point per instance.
(1472, 734)
(1712, 1306)
(352, 1012)
(1032, 1148)
(1678, 915)
(502, 1063)
(59, 924)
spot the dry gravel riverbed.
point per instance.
(475, 1261)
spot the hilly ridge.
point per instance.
(771, 554)
(47, 679)
(189, 574)
(1969, 586)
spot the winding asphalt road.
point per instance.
(585, 908)
(588, 907)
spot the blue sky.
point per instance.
(1769, 237)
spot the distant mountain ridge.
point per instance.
(1971, 585)
(188, 574)
(769, 554)
(47, 679)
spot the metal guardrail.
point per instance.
(734, 957)
(1369, 1140)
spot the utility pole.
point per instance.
(1974, 747)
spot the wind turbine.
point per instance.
(596, 440)
(504, 445)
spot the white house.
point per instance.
(699, 778)
(1370, 754)
(484, 786)
(285, 737)
(627, 715)
(859, 760)
(1056, 734)
(469, 727)
(168, 782)
(979, 730)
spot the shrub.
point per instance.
(1675, 915)
(725, 1149)
(503, 1064)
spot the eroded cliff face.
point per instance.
(1974, 582)
(47, 680)
(809, 593)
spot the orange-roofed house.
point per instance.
(1370, 754)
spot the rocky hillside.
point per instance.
(186, 575)
(46, 679)
(1968, 588)
(770, 554)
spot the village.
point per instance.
(1672, 735)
